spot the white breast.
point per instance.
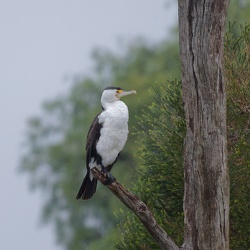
(114, 132)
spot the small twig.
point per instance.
(140, 209)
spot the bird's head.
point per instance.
(113, 94)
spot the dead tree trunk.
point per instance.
(206, 196)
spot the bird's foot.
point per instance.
(109, 178)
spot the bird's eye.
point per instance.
(119, 91)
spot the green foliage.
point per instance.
(160, 177)
(237, 62)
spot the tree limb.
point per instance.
(140, 209)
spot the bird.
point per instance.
(106, 138)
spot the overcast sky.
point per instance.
(43, 44)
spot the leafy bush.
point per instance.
(237, 62)
(160, 177)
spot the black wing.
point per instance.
(88, 186)
(92, 139)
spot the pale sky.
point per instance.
(43, 45)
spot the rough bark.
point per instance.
(140, 209)
(206, 195)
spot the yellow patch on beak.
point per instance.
(118, 93)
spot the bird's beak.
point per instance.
(124, 93)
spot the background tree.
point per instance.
(55, 142)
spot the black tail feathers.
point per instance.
(87, 188)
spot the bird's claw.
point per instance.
(109, 178)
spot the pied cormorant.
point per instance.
(106, 138)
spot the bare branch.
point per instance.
(140, 209)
